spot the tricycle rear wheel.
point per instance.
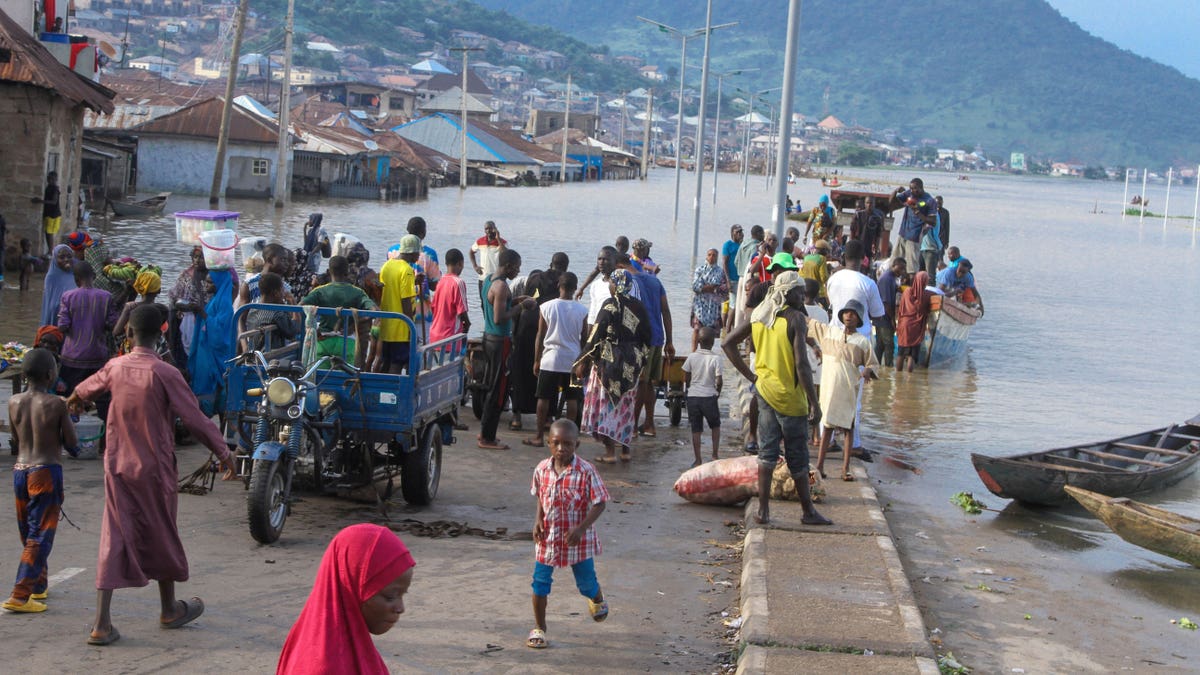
(267, 503)
(421, 471)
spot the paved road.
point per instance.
(666, 578)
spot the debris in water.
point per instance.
(734, 623)
(1028, 617)
(1187, 623)
(986, 570)
(921, 535)
(967, 502)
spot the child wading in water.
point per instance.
(846, 357)
(41, 428)
(702, 375)
(570, 498)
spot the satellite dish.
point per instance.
(109, 50)
(371, 145)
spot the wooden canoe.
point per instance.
(1123, 466)
(1147, 526)
(145, 207)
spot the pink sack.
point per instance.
(723, 482)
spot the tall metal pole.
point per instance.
(699, 152)
(214, 194)
(767, 168)
(562, 174)
(281, 173)
(624, 118)
(716, 140)
(646, 133)
(1196, 206)
(746, 171)
(1125, 199)
(1167, 204)
(462, 160)
(679, 125)
(1142, 211)
(783, 164)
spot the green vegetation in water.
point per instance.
(967, 502)
(1187, 624)
(948, 665)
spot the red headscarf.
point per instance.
(48, 330)
(331, 634)
(912, 312)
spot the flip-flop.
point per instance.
(532, 443)
(625, 456)
(41, 596)
(848, 477)
(113, 636)
(537, 639)
(513, 426)
(192, 609)
(647, 434)
(605, 459)
(599, 610)
(30, 606)
(484, 445)
(752, 448)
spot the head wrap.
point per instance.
(78, 240)
(52, 331)
(776, 298)
(393, 252)
(147, 281)
(622, 280)
(824, 199)
(410, 243)
(331, 635)
(643, 244)
(822, 246)
(57, 282)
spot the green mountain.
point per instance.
(1007, 76)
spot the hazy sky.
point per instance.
(1163, 30)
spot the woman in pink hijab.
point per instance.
(359, 592)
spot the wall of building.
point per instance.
(185, 165)
(38, 132)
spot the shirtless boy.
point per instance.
(41, 428)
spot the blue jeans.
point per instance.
(585, 578)
(792, 431)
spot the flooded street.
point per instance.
(1089, 334)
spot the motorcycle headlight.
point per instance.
(281, 392)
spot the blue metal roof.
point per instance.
(443, 133)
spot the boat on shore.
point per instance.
(1146, 461)
(145, 207)
(950, 323)
(1150, 527)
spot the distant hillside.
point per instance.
(1023, 78)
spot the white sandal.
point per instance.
(537, 639)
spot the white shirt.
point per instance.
(564, 329)
(816, 313)
(598, 293)
(705, 367)
(846, 285)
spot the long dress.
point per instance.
(706, 307)
(618, 345)
(523, 383)
(842, 359)
(912, 312)
(139, 540)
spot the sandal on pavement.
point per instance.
(752, 448)
(41, 596)
(29, 606)
(192, 609)
(112, 637)
(537, 639)
(625, 456)
(605, 459)
(848, 477)
(532, 443)
(599, 610)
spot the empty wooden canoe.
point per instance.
(1143, 525)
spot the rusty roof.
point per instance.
(203, 120)
(30, 63)
(519, 142)
(411, 154)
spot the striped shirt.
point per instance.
(566, 499)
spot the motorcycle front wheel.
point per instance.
(267, 503)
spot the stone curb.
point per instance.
(755, 660)
(755, 606)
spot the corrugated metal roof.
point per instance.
(451, 100)
(31, 63)
(203, 120)
(443, 133)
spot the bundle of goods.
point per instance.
(11, 354)
(127, 269)
(727, 482)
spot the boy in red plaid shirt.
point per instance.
(570, 497)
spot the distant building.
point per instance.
(155, 64)
(542, 122)
(652, 73)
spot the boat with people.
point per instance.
(950, 323)
(1159, 530)
(151, 206)
(1123, 466)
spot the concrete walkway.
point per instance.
(828, 599)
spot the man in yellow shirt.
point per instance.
(784, 388)
(399, 281)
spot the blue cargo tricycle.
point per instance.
(327, 424)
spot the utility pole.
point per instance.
(281, 172)
(646, 135)
(717, 128)
(214, 194)
(699, 151)
(562, 173)
(624, 118)
(462, 158)
(782, 167)
(1167, 204)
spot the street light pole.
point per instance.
(698, 153)
(462, 158)
(783, 163)
(717, 127)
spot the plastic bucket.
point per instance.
(89, 430)
(341, 243)
(252, 248)
(189, 224)
(219, 247)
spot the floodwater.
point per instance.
(1090, 333)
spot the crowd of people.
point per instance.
(806, 321)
